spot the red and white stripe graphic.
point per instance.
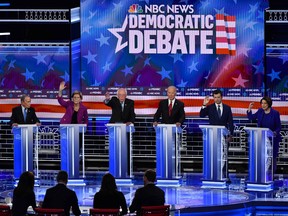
(225, 34)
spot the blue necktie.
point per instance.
(25, 114)
(219, 111)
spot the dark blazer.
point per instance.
(115, 200)
(61, 197)
(149, 195)
(82, 116)
(128, 114)
(274, 122)
(177, 115)
(225, 120)
(21, 201)
(17, 116)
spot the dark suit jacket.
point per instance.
(128, 114)
(22, 199)
(274, 122)
(17, 116)
(149, 195)
(225, 120)
(115, 200)
(82, 116)
(177, 115)
(61, 197)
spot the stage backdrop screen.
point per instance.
(198, 46)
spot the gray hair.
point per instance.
(23, 97)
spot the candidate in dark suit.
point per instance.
(109, 197)
(267, 117)
(61, 197)
(149, 195)
(122, 107)
(24, 114)
(171, 110)
(218, 113)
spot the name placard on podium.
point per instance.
(167, 152)
(118, 150)
(23, 148)
(70, 148)
(260, 159)
(215, 154)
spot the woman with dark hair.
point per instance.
(267, 117)
(108, 195)
(76, 112)
(23, 194)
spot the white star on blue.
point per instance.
(106, 67)
(40, 58)
(274, 75)
(118, 84)
(138, 78)
(50, 66)
(65, 77)
(96, 83)
(90, 57)
(11, 64)
(177, 57)
(28, 75)
(147, 61)
(192, 67)
(127, 70)
(164, 74)
(103, 40)
(182, 84)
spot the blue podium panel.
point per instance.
(260, 158)
(23, 148)
(70, 148)
(118, 149)
(167, 151)
(214, 154)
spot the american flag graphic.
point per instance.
(225, 34)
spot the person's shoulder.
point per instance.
(16, 108)
(179, 101)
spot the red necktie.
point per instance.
(170, 107)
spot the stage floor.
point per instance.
(188, 199)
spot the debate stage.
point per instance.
(187, 199)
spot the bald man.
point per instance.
(122, 107)
(170, 110)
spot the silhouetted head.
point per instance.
(26, 180)
(149, 176)
(108, 183)
(62, 177)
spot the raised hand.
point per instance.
(62, 86)
(250, 106)
(107, 96)
(206, 100)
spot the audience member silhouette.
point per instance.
(108, 196)
(23, 194)
(149, 195)
(61, 197)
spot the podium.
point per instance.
(167, 154)
(23, 148)
(260, 159)
(70, 150)
(118, 151)
(215, 154)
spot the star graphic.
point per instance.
(115, 31)
(221, 11)
(147, 61)
(96, 83)
(250, 25)
(50, 66)
(118, 84)
(284, 59)
(235, 1)
(117, 7)
(164, 74)
(40, 58)
(182, 84)
(274, 75)
(192, 67)
(86, 29)
(2, 82)
(103, 40)
(239, 81)
(204, 4)
(244, 51)
(91, 14)
(28, 75)
(253, 8)
(127, 70)
(106, 67)
(138, 78)
(260, 36)
(138, 56)
(82, 75)
(177, 57)
(259, 68)
(90, 57)
(260, 15)
(11, 64)
(207, 75)
(65, 77)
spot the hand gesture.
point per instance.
(206, 100)
(107, 96)
(62, 86)
(250, 106)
